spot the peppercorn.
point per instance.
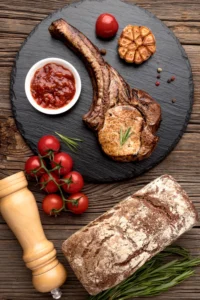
(157, 83)
(159, 70)
(158, 76)
(173, 78)
(169, 80)
(173, 100)
(103, 51)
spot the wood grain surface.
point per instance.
(17, 19)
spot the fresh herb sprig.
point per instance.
(155, 277)
(72, 143)
(124, 136)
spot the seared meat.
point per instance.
(118, 119)
(115, 106)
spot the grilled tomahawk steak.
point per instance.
(116, 108)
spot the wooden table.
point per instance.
(17, 19)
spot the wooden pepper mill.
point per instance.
(19, 209)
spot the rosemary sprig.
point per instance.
(155, 277)
(72, 143)
(124, 136)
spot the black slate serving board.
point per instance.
(170, 56)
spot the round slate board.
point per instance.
(170, 55)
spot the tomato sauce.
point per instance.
(53, 86)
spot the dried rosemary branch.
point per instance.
(124, 136)
(155, 277)
(72, 143)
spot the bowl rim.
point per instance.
(39, 65)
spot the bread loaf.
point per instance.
(115, 245)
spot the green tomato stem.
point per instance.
(51, 178)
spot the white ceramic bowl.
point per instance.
(39, 65)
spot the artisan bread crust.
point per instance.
(115, 245)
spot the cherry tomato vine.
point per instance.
(48, 169)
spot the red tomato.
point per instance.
(48, 143)
(32, 165)
(74, 182)
(65, 161)
(51, 186)
(51, 202)
(82, 203)
(106, 26)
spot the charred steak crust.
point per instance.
(116, 244)
(111, 91)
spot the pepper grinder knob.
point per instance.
(19, 209)
(56, 294)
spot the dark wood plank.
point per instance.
(17, 19)
(187, 32)
(184, 10)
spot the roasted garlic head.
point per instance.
(136, 44)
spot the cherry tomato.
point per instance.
(32, 165)
(48, 143)
(50, 187)
(50, 202)
(106, 26)
(74, 182)
(82, 203)
(65, 161)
